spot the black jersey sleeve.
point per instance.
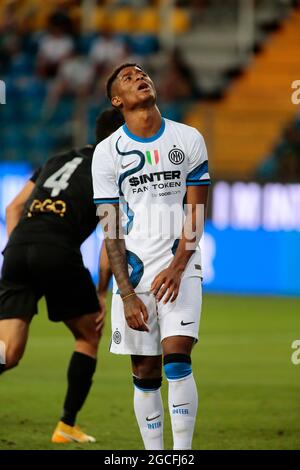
(35, 175)
(61, 203)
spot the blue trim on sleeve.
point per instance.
(106, 200)
(197, 172)
(156, 136)
(198, 183)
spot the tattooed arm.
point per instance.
(135, 311)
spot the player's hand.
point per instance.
(166, 285)
(100, 320)
(136, 313)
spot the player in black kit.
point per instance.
(48, 221)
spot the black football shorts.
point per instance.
(30, 272)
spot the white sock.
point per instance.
(149, 413)
(183, 392)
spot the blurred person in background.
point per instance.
(75, 78)
(47, 222)
(9, 36)
(177, 87)
(56, 45)
(107, 50)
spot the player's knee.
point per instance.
(147, 369)
(147, 385)
(12, 357)
(88, 344)
(89, 336)
(177, 366)
(93, 339)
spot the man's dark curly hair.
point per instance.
(114, 75)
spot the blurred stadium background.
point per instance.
(227, 68)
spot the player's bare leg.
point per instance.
(86, 334)
(148, 407)
(183, 396)
(13, 334)
(80, 372)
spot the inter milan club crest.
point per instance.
(117, 337)
(176, 156)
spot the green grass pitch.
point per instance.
(249, 390)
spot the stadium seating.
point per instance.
(243, 127)
(97, 19)
(246, 122)
(122, 20)
(148, 21)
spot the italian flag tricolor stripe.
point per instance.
(152, 156)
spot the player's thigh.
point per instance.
(178, 345)
(146, 367)
(126, 340)
(71, 293)
(18, 294)
(84, 329)
(180, 320)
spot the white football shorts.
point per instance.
(180, 318)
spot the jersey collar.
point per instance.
(154, 137)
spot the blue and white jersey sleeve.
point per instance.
(197, 173)
(106, 190)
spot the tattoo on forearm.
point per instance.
(117, 258)
(115, 247)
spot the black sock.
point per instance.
(80, 373)
(2, 366)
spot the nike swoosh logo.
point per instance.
(67, 436)
(152, 419)
(186, 323)
(181, 404)
(128, 164)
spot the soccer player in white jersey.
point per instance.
(149, 168)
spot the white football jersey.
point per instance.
(149, 178)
